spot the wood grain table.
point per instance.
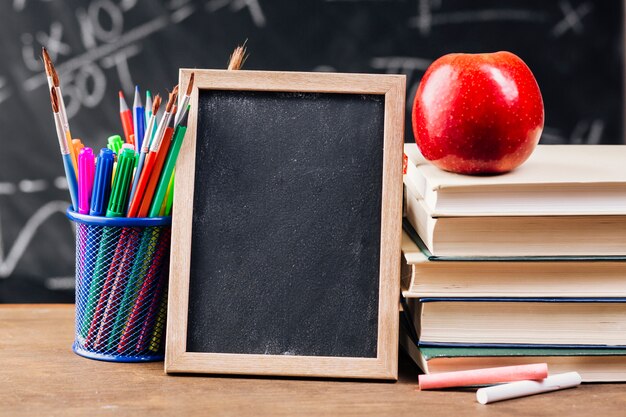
(41, 376)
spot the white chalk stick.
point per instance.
(524, 388)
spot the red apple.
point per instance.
(478, 113)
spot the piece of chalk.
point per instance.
(524, 388)
(483, 376)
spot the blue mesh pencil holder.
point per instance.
(122, 267)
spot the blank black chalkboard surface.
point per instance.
(286, 234)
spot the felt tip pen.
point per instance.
(86, 172)
(102, 183)
(115, 143)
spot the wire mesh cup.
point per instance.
(122, 267)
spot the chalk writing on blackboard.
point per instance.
(106, 46)
(427, 16)
(5, 92)
(572, 18)
(15, 253)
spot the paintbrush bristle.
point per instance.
(237, 58)
(171, 100)
(54, 99)
(55, 76)
(156, 104)
(190, 85)
(46, 60)
(50, 70)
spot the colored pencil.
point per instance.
(70, 173)
(139, 119)
(145, 146)
(54, 81)
(78, 145)
(126, 117)
(166, 208)
(151, 157)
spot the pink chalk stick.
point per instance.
(483, 376)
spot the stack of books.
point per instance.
(529, 266)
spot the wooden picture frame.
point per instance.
(384, 366)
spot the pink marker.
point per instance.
(86, 172)
(483, 376)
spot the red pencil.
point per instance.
(151, 158)
(127, 120)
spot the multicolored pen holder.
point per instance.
(122, 268)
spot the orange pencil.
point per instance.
(151, 158)
(126, 117)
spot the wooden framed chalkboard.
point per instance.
(286, 229)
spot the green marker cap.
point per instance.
(115, 143)
(121, 184)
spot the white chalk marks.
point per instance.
(5, 92)
(9, 261)
(428, 16)
(572, 18)
(400, 64)
(253, 6)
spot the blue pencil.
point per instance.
(139, 119)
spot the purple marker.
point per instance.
(86, 171)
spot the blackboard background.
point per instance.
(286, 224)
(574, 47)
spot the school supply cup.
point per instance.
(121, 287)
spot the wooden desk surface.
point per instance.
(40, 375)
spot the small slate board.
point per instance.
(287, 243)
